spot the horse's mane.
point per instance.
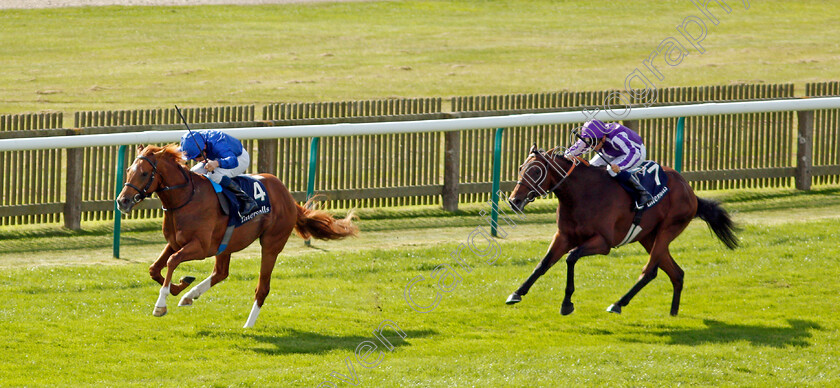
(170, 151)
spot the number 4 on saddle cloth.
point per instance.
(254, 189)
(654, 180)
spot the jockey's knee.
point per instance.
(215, 176)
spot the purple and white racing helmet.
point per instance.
(594, 129)
(590, 132)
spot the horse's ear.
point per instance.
(140, 148)
(534, 149)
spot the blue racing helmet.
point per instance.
(192, 144)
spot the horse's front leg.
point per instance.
(595, 245)
(191, 251)
(556, 250)
(157, 266)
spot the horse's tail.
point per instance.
(318, 224)
(718, 220)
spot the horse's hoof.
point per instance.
(513, 299)
(185, 302)
(188, 279)
(159, 311)
(567, 309)
(614, 308)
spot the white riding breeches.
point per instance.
(243, 160)
(599, 161)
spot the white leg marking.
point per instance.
(252, 318)
(195, 292)
(160, 305)
(161, 302)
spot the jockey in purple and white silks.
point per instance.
(226, 158)
(623, 149)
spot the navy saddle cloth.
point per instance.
(653, 178)
(255, 189)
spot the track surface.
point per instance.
(26, 4)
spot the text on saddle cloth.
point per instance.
(254, 189)
(653, 178)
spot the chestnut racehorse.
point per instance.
(594, 215)
(194, 224)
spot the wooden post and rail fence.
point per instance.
(721, 151)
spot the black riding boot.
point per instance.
(644, 196)
(248, 203)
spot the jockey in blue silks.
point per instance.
(226, 158)
(621, 146)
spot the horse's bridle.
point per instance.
(144, 193)
(564, 174)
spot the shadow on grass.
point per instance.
(717, 332)
(293, 341)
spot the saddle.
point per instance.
(653, 178)
(227, 200)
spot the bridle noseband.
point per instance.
(144, 193)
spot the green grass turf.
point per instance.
(93, 58)
(762, 315)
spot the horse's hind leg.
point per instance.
(676, 274)
(220, 272)
(648, 274)
(660, 257)
(667, 263)
(270, 250)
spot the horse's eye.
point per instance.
(144, 174)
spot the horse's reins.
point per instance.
(143, 194)
(565, 174)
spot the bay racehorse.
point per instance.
(194, 224)
(594, 215)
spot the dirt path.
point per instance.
(94, 3)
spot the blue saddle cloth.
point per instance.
(255, 189)
(653, 178)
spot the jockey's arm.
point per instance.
(227, 158)
(228, 162)
(630, 154)
(576, 149)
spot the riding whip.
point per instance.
(190, 131)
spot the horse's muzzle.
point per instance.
(517, 204)
(125, 204)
